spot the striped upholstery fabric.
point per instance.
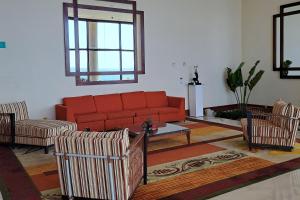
(19, 108)
(110, 134)
(275, 130)
(30, 132)
(268, 134)
(90, 176)
(5, 132)
(44, 142)
(42, 128)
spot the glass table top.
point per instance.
(160, 129)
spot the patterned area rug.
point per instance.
(217, 161)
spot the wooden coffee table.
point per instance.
(163, 130)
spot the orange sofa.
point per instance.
(106, 112)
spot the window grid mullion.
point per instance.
(120, 52)
(88, 46)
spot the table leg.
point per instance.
(145, 157)
(188, 136)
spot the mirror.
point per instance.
(291, 41)
(286, 41)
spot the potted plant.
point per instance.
(241, 88)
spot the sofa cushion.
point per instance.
(111, 124)
(122, 114)
(80, 105)
(91, 117)
(156, 99)
(133, 100)
(93, 126)
(145, 112)
(108, 103)
(165, 110)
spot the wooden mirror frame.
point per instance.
(281, 48)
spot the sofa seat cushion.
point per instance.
(122, 114)
(112, 124)
(93, 126)
(91, 117)
(165, 110)
(108, 103)
(133, 100)
(80, 105)
(42, 128)
(156, 99)
(145, 112)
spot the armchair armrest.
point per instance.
(8, 122)
(280, 122)
(136, 161)
(64, 113)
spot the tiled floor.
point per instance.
(283, 187)
(219, 120)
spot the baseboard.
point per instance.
(234, 106)
(230, 107)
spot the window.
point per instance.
(106, 47)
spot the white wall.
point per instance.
(198, 32)
(257, 38)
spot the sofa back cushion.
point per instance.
(19, 108)
(156, 99)
(80, 105)
(108, 103)
(133, 100)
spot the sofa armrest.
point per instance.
(64, 113)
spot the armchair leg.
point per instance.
(46, 150)
(250, 146)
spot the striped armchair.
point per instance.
(97, 165)
(16, 127)
(275, 130)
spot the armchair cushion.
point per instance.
(156, 99)
(19, 108)
(42, 128)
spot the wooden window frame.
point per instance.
(67, 49)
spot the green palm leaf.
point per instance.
(255, 80)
